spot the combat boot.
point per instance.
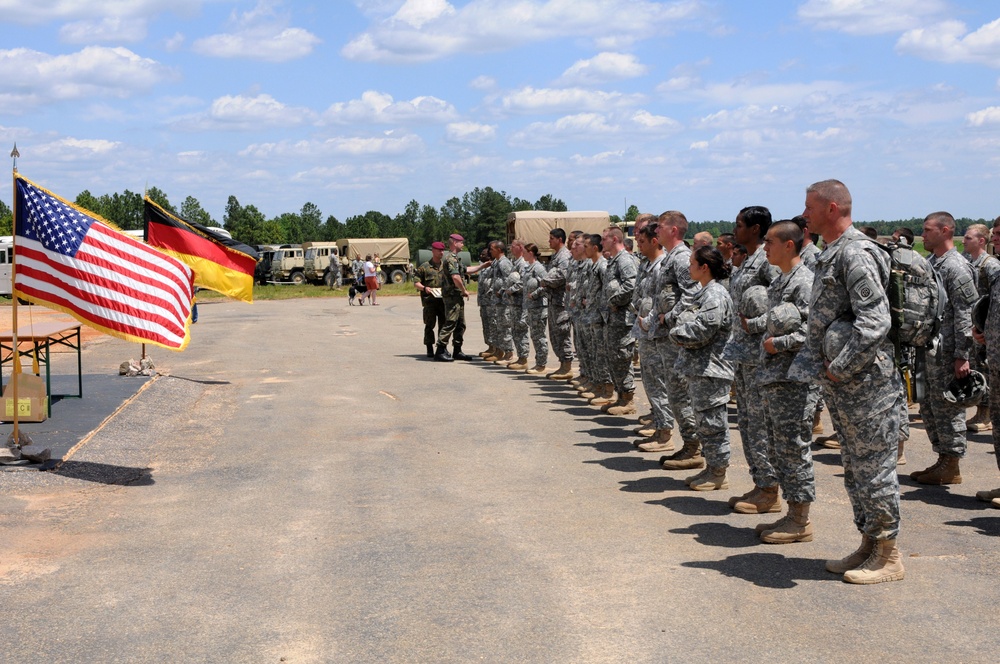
(442, 354)
(430, 350)
(687, 458)
(520, 365)
(854, 560)
(767, 500)
(577, 381)
(644, 430)
(489, 351)
(713, 480)
(796, 528)
(945, 472)
(988, 496)
(626, 407)
(492, 357)
(611, 404)
(586, 385)
(602, 394)
(506, 358)
(981, 420)
(749, 495)
(697, 477)
(658, 442)
(901, 454)
(817, 422)
(537, 370)
(457, 353)
(883, 564)
(772, 525)
(564, 372)
(591, 392)
(646, 419)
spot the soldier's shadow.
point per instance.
(935, 495)
(624, 464)
(692, 505)
(609, 433)
(986, 525)
(608, 446)
(713, 533)
(767, 570)
(657, 484)
(826, 456)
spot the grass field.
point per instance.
(292, 292)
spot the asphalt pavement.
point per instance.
(303, 485)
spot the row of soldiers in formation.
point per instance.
(783, 325)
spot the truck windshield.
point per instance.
(310, 254)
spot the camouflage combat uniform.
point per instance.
(674, 290)
(429, 275)
(454, 302)
(594, 312)
(808, 255)
(849, 283)
(515, 304)
(536, 309)
(744, 352)
(985, 270)
(654, 379)
(559, 327)
(484, 290)
(499, 312)
(944, 421)
(575, 276)
(789, 406)
(618, 284)
(702, 330)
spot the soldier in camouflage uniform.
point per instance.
(595, 305)
(559, 326)
(536, 307)
(859, 379)
(985, 269)
(515, 303)
(484, 293)
(949, 358)
(453, 293)
(619, 284)
(674, 291)
(702, 330)
(744, 351)
(648, 330)
(426, 277)
(501, 268)
(788, 408)
(575, 275)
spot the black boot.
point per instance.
(459, 355)
(442, 354)
(430, 350)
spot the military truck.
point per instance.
(393, 253)
(534, 226)
(317, 261)
(288, 265)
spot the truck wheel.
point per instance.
(397, 276)
(380, 276)
(298, 278)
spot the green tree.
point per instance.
(548, 202)
(192, 210)
(86, 200)
(291, 227)
(310, 222)
(487, 211)
(633, 212)
(362, 225)
(6, 219)
(157, 195)
(333, 230)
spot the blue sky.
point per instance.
(702, 106)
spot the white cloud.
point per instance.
(259, 34)
(535, 100)
(646, 120)
(173, 44)
(868, 17)
(581, 126)
(748, 116)
(357, 146)
(602, 68)
(601, 159)
(73, 149)
(951, 41)
(379, 107)
(36, 11)
(109, 29)
(423, 30)
(987, 116)
(761, 94)
(470, 132)
(245, 113)
(483, 83)
(31, 77)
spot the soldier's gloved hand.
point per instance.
(769, 346)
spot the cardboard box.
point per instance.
(31, 399)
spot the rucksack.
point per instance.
(917, 297)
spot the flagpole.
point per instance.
(16, 364)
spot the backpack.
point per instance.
(917, 297)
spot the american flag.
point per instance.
(70, 260)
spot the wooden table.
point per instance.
(42, 336)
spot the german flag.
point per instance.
(219, 263)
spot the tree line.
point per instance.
(479, 215)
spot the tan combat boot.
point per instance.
(713, 480)
(626, 407)
(520, 365)
(854, 560)
(611, 404)
(537, 370)
(945, 472)
(576, 381)
(646, 419)
(770, 525)
(766, 500)
(493, 356)
(644, 430)
(988, 496)
(981, 420)
(507, 357)
(593, 389)
(603, 394)
(586, 386)
(817, 422)
(658, 442)
(901, 453)
(749, 495)
(884, 564)
(697, 477)
(688, 457)
(796, 528)
(489, 351)
(564, 372)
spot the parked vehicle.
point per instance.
(317, 261)
(394, 254)
(288, 265)
(534, 226)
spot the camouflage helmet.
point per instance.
(980, 311)
(783, 319)
(753, 304)
(531, 283)
(837, 336)
(968, 391)
(514, 277)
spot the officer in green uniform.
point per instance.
(453, 293)
(428, 276)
